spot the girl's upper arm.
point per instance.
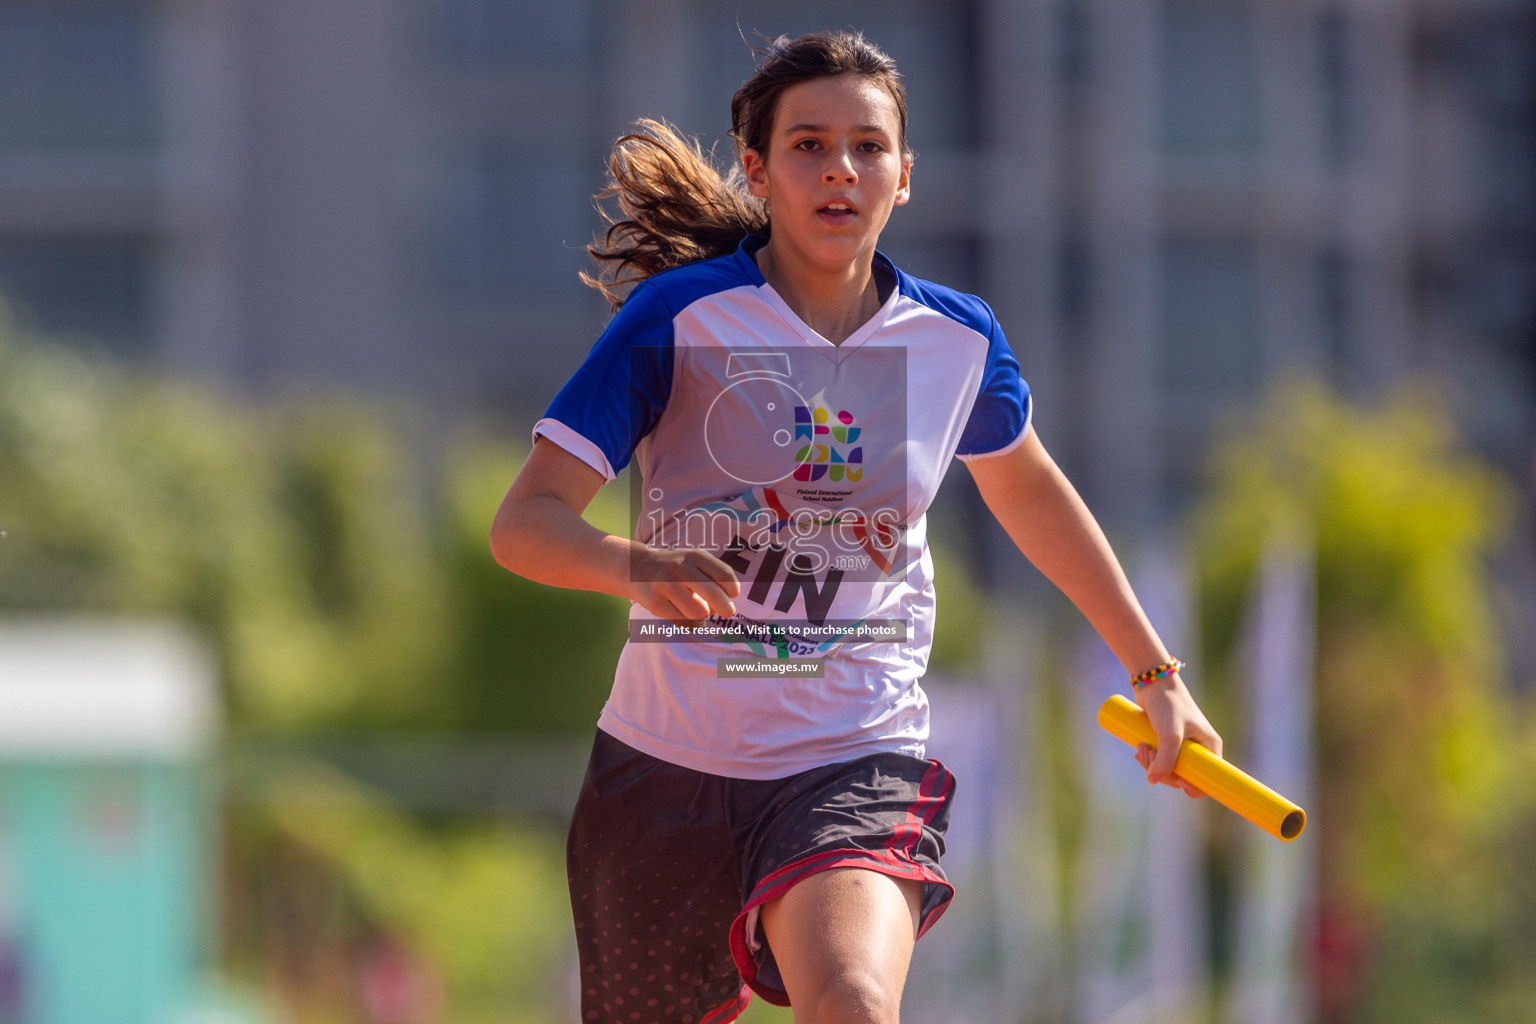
(550, 471)
(1010, 479)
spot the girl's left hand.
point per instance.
(1175, 718)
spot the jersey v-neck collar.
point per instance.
(745, 256)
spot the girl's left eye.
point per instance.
(871, 147)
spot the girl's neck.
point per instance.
(833, 303)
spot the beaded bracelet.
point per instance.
(1167, 668)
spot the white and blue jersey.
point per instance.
(807, 467)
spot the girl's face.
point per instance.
(833, 169)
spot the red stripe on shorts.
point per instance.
(907, 834)
(731, 1010)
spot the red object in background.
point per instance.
(396, 986)
(13, 1003)
(1340, 950)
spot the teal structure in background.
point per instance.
(106, 823)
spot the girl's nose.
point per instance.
(840, 170)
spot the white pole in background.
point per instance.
(1276, 888)
(1142, 919)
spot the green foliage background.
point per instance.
(296, 535)
(1426, 801)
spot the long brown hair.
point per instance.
(675, 206)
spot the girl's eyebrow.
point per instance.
(864, 129)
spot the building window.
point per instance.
(1210, 91)
(514, 227)
(1073, 275)
(499, 34)
(76, 78)
(1210, 317)
(1334, 315)
(97, 287)
(1333, 69)
(1073, 52)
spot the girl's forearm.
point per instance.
(542, 538)
(539, 533)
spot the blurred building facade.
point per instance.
(1166, 203)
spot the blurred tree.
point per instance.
(526, 656)
(296, 534)
(1418, 741)
(287, 533)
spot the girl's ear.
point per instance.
(756, 172)
(904, 183)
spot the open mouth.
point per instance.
(837, 212)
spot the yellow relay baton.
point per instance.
(1220, 780)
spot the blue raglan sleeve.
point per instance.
(1000, 418)
(616, 396)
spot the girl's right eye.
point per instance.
(807, 144)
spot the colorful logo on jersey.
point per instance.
(828, 449)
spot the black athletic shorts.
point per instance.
(668, 867)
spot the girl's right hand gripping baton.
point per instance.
(1218, 779)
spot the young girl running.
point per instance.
(791, 400)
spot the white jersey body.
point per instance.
(809, 468)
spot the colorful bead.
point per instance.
(1167, 668)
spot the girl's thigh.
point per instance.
(843, 939)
